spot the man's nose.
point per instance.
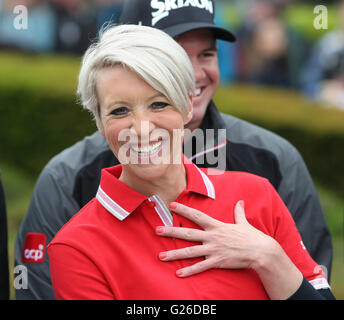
(198, 69)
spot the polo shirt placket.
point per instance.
(153, 208)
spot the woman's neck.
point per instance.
(167, 187)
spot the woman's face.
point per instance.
(142, 128)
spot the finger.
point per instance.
(196, 268)
(200, 218)
(184, 253)
(188, 234)
(239, 213)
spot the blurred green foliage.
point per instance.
(317, 132)
(40, 116)
(39, 113)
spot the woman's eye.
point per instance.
(119, 111)
(159, 105)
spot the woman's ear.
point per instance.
(189, 115)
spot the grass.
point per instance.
(19, 186)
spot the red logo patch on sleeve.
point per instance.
(34, 247)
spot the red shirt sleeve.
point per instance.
(79, 279)
(288, 237)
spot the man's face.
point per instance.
(200, 45)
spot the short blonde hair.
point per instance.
(150, 53)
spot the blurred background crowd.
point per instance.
(64, 26)
(270, 49)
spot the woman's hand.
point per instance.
(232, 246)
(224, 245)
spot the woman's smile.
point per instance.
(146, 150)
(146, 153)
(140, 124)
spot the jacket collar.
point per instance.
(212, 118)
(210, 136)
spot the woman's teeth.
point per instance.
(147, 150)
(197, 92)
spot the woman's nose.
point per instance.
(142, 127)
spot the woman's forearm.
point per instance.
(280, 277)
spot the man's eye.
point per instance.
(159, 105)
(119, 111)
(209, 54)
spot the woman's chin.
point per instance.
(147, 171)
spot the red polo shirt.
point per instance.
(109, 250)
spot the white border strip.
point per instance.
(163, 212)
(320, 283)
(111, 205)
(208, 184)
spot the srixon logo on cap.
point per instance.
(34, 248)
(164, 7)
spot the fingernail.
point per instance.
(179, 273)
(162, 255)
(173, 205)
(242, 204)
(160, 229)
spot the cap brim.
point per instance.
(219, 33)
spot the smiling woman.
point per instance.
(166, 229)
(131, 108)
(126, 101)
(141, 100)
(169, 73)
